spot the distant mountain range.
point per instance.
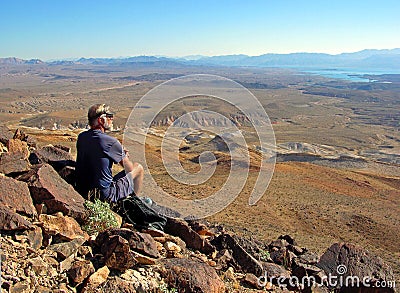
(377, 59)
(13, 60)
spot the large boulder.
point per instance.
(47, 187)
(191, 275)
(10, 190)
(351, 262)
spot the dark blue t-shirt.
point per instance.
(96, 153)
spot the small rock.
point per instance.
(79, 271)
(170, 246)
(96, 279)
(212, 263)
(67, 249)
(252, 280)
(38, 265)
(143, 259)
(308, 258)
(229, 275)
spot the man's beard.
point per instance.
(107, 125)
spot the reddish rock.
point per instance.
(16, 159)
(68, 174)
(117, 284)
(63, 147)
(224, 259)
(142, 259)
(117, 253)
(13, 163)
(56, 157)
(10, 190)
(308, 258)
(181, 228)
(80, 270)
(140, 242)
(5, 135)
(10, 220)
(47, 187)
(275, 271)
(241, 257)
(64, 227)
(18, 146)
(191, 275)
(19, 134)
(280, 243)
(96, 279)
(252, 280)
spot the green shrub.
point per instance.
(100, 217)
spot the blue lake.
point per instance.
(354, 75)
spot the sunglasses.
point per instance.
(108, 115)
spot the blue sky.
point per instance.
(66, 29)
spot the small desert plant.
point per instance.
(100, 217)
(264, 255)
(165, 289)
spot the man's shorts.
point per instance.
(120, 187)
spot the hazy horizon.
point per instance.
(188, 56)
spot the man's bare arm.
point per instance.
(127, 164)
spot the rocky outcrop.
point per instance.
(351, 261)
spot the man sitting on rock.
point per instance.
(96, 154)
